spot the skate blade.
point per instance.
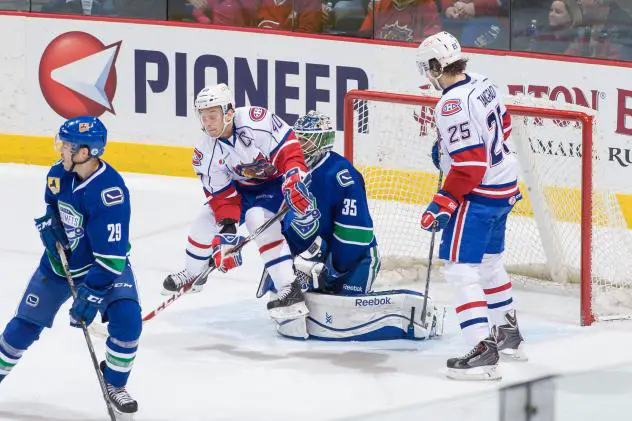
(168, 292)
(514, 354)
(291, 312)
(488, 372)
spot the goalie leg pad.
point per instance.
(376, 316)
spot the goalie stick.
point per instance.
(84, 328)
(99, 330)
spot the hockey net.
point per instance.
(569, 228)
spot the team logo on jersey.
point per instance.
(197, 157)
(54, 184)
(73, 223)
(257, 113)
(260, 168)
(344, 178)
(451, 107)
(306, 226)
(112, 196)
(396, 32)
(77, 74)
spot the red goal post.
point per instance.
(388, 136)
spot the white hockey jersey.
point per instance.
(261, 149)
(473, 125)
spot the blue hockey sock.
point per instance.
(125, 325)
(16, 338)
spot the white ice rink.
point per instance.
(216, 356)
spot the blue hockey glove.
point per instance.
(439, 211)
(295, 192)
(223, 259)
(52, 231)
(86, 305)
(435, 154)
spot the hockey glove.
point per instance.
(86, 305)
(295, 192)
(222, 244)
(436, 160)
(310, 268)
(52, 231)
(439, 211)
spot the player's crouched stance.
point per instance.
(250, 164)
(472, 206)
(88, 213)
(336, 255)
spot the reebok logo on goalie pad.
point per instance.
(372, 302)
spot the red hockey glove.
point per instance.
(439, 211)
(295, 192)
(222, 244)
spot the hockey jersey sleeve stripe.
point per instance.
(467, 148)
(506, 125)
(115, 264)
(350, 234)
(59, 269)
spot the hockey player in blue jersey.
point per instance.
(336, 254)
(88, 213)
(479, 192)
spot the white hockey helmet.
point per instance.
(215, 96)
(444, 48)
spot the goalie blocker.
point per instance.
(376, 316)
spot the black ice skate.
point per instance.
(123, 404)
(175, 281)
(509, 339)
(289, 303)
(479, 364)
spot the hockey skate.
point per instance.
(509, 340)
(175, 281)
(122, 403)
(289, 303)
(479, 364)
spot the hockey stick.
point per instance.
(430, 253)
(84, 328)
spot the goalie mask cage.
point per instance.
(568, 230)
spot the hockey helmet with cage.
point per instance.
(316, 135)
(442, 47)
(84, 131)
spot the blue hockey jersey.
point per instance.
(95, 213)
(345, 224)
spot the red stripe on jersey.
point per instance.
(506, 125)
(269, 246)
(497, 289)
(478, 154)
(289, 155)
(226, 205)
(199, 245)
(473, 304)
(458, 232)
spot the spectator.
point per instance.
(225, 12)
(401, 20)
(140, 9)
(297, 15)
(344, 16)
(477, 23)
(565, 17)
(606, 31)
(76, 7)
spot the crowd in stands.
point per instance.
(586, 28)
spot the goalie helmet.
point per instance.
(444, 48)
(316, 135)
(83, 131)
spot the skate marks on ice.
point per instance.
(17, 411)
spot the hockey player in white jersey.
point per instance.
(249, 163)
(479, 191)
